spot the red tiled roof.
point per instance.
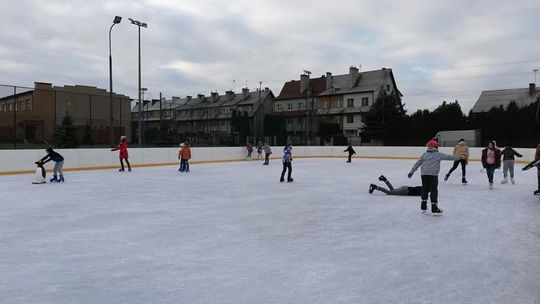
(291, 89)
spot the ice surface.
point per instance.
(231, 233)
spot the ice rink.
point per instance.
(231, 233)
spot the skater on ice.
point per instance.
(287, 159)
(491, 160)
(259, 150)
(430, 165)
(508, 155)
(461, 150)
(535, 163)
(249, 149)
(123, 147)
(267, 153)
(58, 175)
(351, 152)
(403, 190)
(184, 155)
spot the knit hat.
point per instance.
(432, 144)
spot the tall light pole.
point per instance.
(116, 20)
(139, 24)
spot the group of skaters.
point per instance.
(260, 149)
(429, 164)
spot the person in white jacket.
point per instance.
(430, 165)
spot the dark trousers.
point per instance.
(490, 169)
(349, 159)
(266, 158)
(456, 164)
(538, 178)
(430, 184)
(184, 165)
(286, 166)
(127, 162)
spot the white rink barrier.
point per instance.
(22, 161)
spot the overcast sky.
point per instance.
(438, 50)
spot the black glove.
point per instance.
(409, 175)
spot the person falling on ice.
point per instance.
(403, 190)
(123, 147)
(58, 175)
(351, 152)
(430, 165)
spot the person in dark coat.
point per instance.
(403, 190)
(351, 152)
(58, 174)
(491, 160)
(287, 159)
(508, 155)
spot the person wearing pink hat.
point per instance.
(430, 165)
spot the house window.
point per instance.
(338, 105)
(289, 106)
(299, 106)
(388, 88)
(350, 102)
(289, 121)
(365, 101)
(300, 121)
(29, 105)
(350, 119)
(279, 107)
(326, 104)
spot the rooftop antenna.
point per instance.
(307, 72)
(535, 71)
(246, 84)
(234, 86)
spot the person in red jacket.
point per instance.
(123, 147)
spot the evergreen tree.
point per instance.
(65, 133)
(87, 137)
(385, 120)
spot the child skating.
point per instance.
(430, 165)
(461, 150)
(184, 155)
(123, 147)
(351, 151)
(58, 175)
(267, 152)
(508, 155)
(287, 159)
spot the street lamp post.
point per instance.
(139, 24)
(116, 20)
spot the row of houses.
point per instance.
(304, 105)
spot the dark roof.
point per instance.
(291, 89)
(495, 98)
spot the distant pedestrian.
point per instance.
(287, 159)
(491, 160)
(267, 153)
(123, 147)
(351, 152)
(430, 165)
(508, 155)
(461, 150)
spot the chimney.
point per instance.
(353, 75)
(532, 89)
(229, 94)
(214, 96)
(175, 99)
(188, 98)
(304, 83)
(328, 80)
(245, 93)
(200, 97)
(266, 89)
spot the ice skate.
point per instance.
(512, 180)
(490, 186)
(281, 180)
(54, 179)
(504, 181)
(290, 180)
(61, 179)
(38, 183)
(537, 192)
(382, 178)
(435, 209)
(464, 181)
(372, 188)
(423, 206)
(121, 170)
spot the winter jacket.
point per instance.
(497, 157)
(508, 153)
(249, 148)
(350, 150)
(123, 147)
(287, 154)
(430, 162)
(54, 156)
(462, 150)
(267, 149)
(185, 152)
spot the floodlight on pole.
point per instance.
(139, 25)
(117, 20)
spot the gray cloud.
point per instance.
(442, 50)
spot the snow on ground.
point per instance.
(231, 233)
